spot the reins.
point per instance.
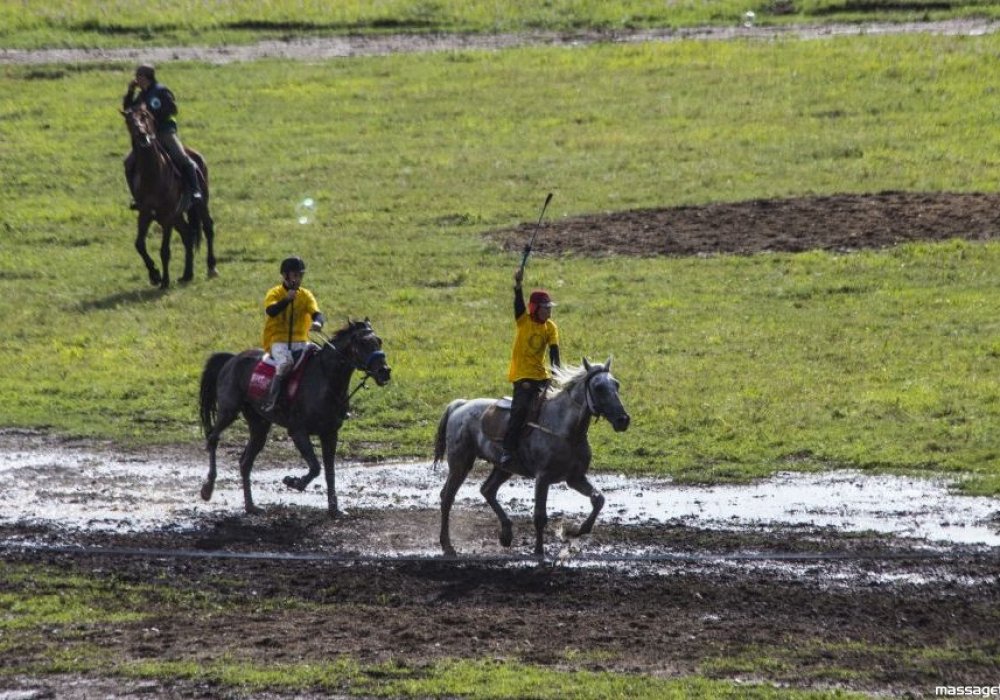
(374, 355)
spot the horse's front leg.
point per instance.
(542, 484)
(584, 486)
(165, 255)
(497, 478)
(142, 230)
(329, 444)
(305, 447)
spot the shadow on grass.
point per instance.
(115, 300)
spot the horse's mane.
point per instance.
(565, 378)
(351, 325)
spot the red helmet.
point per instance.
(538, 298)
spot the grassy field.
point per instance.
(111, 23)
(733, 367)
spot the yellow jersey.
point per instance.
(297, 316)
(527, 358)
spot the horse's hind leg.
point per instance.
(208, 226)
(583, 485)
(541, 515)
(165, 255)
(142, 229)
(223, 421)
(259, 428)
(458, 469)
(494, 481)
(189, 233)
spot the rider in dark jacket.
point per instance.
(160, 102)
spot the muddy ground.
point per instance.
(827, 608)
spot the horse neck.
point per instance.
(335, 369)
(566, 413)
(153, 162)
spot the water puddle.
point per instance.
(84, 489)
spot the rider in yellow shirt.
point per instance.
(291, 313)
(535, 332)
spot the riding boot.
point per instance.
(191, 176)
(273, 394)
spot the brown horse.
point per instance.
(160, 195)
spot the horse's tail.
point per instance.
(209, 397)
(441, 439)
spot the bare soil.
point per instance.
(859, 611)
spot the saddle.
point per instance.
(495, 418)
(263, 375)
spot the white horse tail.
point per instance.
(441, 440)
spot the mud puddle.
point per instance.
(84, 488)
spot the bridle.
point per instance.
(589, 393)
(359, 364)
(142, 136)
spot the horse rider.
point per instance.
(534, 332)
(160, 102)
(291, 313)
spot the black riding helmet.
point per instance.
(293, 264)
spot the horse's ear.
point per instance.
(586, 365)
(607, 365)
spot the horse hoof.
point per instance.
(254, 510)
(185, 279)
(206, 491)
(293, 483)
(449, 552)
(165, 284)
(213, 273)
(154, 278)
(506, 536)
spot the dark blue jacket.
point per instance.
(158, 100)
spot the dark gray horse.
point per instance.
(319, 408)
(555, 449)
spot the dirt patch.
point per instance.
(837, 223)
(798, 604)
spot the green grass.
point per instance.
(733, 367)
(117, 23)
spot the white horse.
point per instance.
(554, 448)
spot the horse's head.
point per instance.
(358, 343)
(601, 390)
(141, 126)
